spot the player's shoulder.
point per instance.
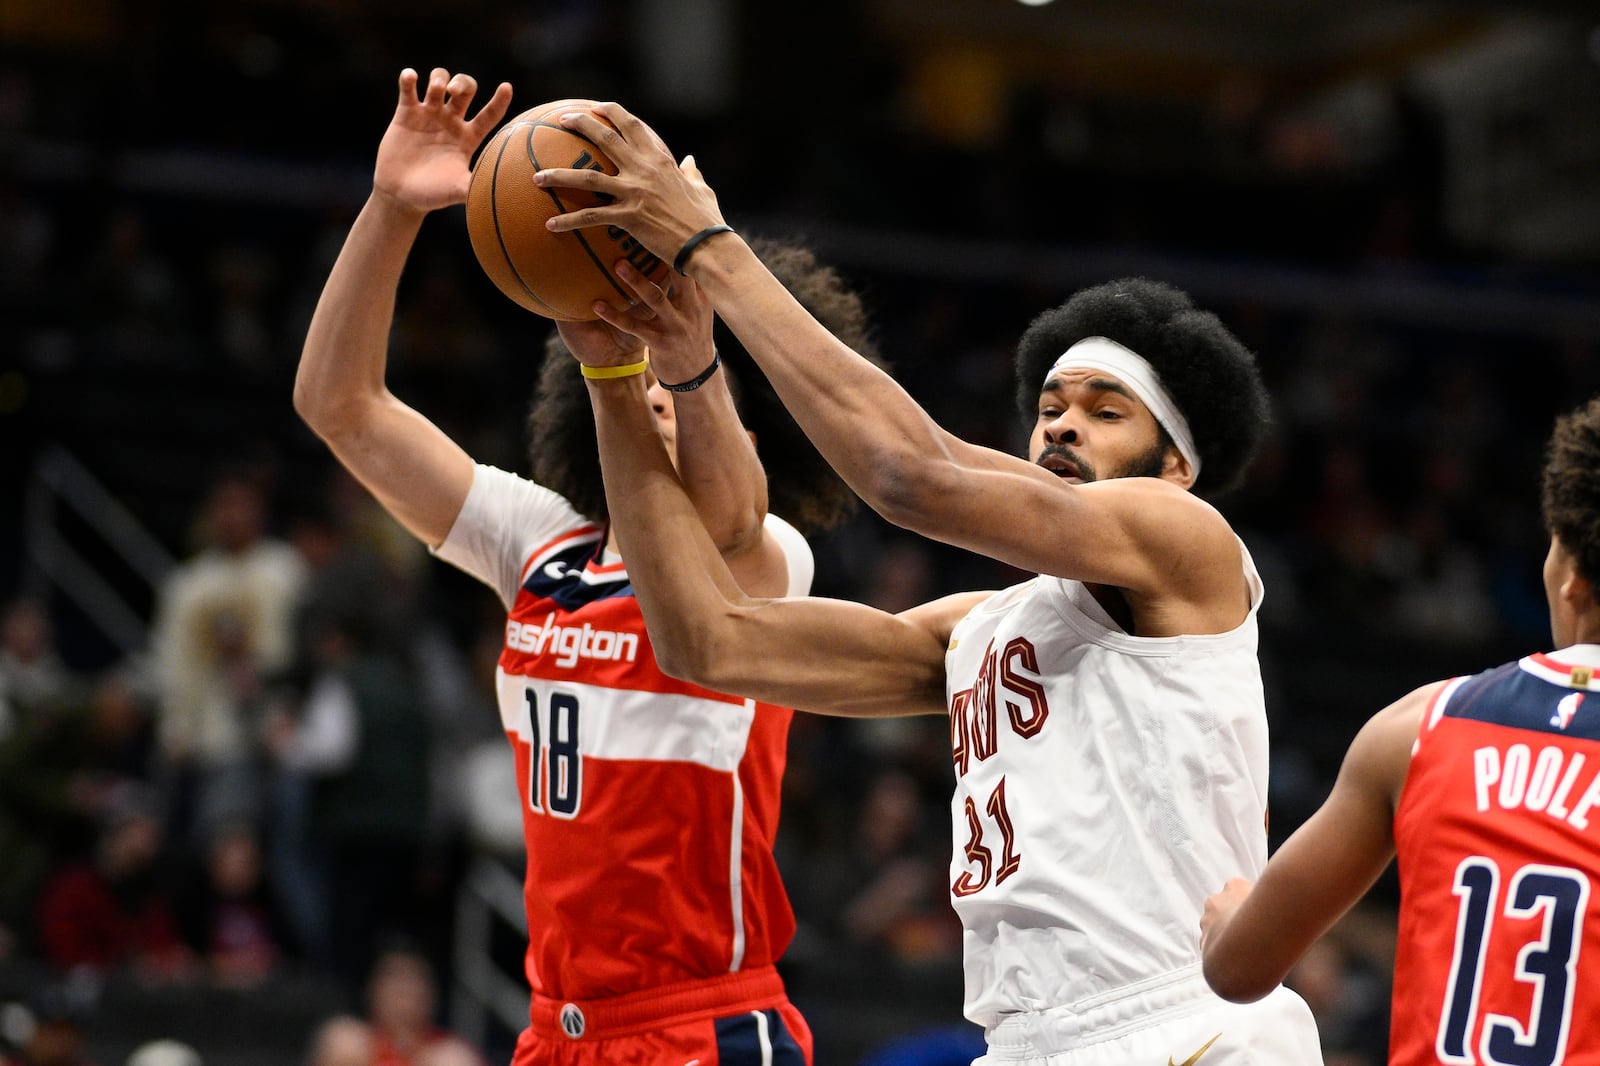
(1161, 512)
(1391, 734)
(1410, 712)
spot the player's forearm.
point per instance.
(341, 372)
(870, 430)
(719, 467)
(1240, 964)
(683, 586)
(419, 475)
(818, 654)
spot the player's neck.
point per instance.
(1586, 632)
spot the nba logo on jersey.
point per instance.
(1566, 709)
(571, 1020)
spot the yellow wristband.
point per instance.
(626, 370)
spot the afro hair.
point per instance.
(1210, 375)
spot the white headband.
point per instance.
(1102, 353)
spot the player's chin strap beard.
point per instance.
(1134, 371)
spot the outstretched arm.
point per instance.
(424, 163)
(884, 445)
(822, 655)
(1252, 936)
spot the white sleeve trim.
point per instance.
(802, 564)
(502, 520)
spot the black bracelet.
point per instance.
(694, 242)
(699, 379)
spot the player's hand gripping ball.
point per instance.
(557, 275)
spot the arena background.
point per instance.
(1397, 205)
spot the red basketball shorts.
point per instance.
(738, 1020)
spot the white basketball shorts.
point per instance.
(1172, 1021)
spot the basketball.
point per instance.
(557, 275)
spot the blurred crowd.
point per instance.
(285, 780)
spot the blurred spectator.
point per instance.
(113, 912)
(343, 1040)
(35, 816)
(63, 766)
(115, 751)
(141, 303)
(46, 1030)
(449, 1053)
(359, 555)
(223, 626)
(883, 894)
(361, 738)
(1350, 1001)
(241, 278)
(902, 903)
(1350, 562)
(32, 675)
(1442, 592)
(229, 914)
(164, 1053)
(402, 1008)
(308, 739)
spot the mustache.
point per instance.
(1085, 471)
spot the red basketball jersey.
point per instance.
(1498, 841)
(649, 806)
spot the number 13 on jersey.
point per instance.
(1548, 963)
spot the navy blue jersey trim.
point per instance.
(739, 1041)
(560, 578)
(1510, 696)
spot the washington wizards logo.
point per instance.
(1566, 709)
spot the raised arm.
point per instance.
(424, 163)
(823, 655)
(715, 457)
(871, 430)
(1252, 936)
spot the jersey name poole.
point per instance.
(1517, 779)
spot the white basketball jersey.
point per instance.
(1105, 786)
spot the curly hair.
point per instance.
(1210, 375)
(802, 488)
(1570, 492)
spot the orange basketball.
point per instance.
(557, 275)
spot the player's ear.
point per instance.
(1177, 469)
(1578, 592)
